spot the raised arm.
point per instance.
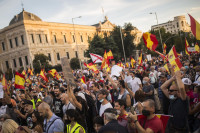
(166, 84)
(180, 85)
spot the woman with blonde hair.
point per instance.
(9, 126)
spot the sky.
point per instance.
(118, 12)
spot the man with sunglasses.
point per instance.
(179, 105)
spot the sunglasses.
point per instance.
(172, 90)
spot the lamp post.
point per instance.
(122, 44)
(158, 28)
(76, 41)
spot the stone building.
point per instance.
(178, 24)
(27, 35)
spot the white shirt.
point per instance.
(104, 107)
(135, 84)
(68, 106)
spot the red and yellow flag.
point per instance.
(83, 79)
(164, 48)
(105, 62)
(140, 60)
(4, 82)
(23, 72)
(53, 72)
(196, 47)
(110, 55)
(186, 47)
(92, 67)
(166, 67)
(19, 81)
(195, 27)
(132, 62)
(30, 72)
(172, 55)
(43, 76)
(150, 41)
(120, 64)
(127, 65)
(28, 80)
(176, 64)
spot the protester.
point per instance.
(38, 122)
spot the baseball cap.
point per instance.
(28, 102)
(186, 81)
(111, 110)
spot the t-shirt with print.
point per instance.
(58, 107)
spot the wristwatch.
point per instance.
(135, 121)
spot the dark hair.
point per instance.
(122, 83)
(121, 102)
(83, 102)
(40, 119)
(98, 120)
(96, 84)
(139, 96)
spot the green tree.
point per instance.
(41, 61)
(74, 63)
(58, 67)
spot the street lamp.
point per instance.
(122, 43)
(159, 27)
(76, 41)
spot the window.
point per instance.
(14, 62)
(177, 24)
(58, 56)
(81, 38)
(7, 65)
(67, 55)
(26, 59)
(11, 45)
(73, 37)
(46, 38)
(65, 40)
(16, 41)
(76, 53)
(49, 55)
(55, 40)
(22, 38)
(39, 37)
(182, 23)
(3, 46)
(20, 61)
(32, 37)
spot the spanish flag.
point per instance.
(24, 72)
(120, 64)
(150, 41)
(92, 67)
(186, 47)
(30, 72)
(166, 67)
(176, 64)
(4, 82)
(172, 55)
(83, 79)
(105, 62)
(196, 47)
(110, 55)
(140, 60)
(132, 62)
(19, 81)
(195, 27)
(28, 80)
(53, 72)
(127, 65)
(164, 48)
(43, 76)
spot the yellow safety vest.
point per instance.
(75, 129)
(34, 102)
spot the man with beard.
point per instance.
(57, 103)
(150, 123)
(28, 107)
(52, 123)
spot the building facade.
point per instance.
(27, 35)
(178, 24)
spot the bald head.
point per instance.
(64, 98)
(44, 110)
(146, 79)
(44, 106)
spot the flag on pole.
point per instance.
(186, 47)
(195, 27)
(140, 60)
(196, 48)
(105, 62)
(53, 72)
(19, 81)
(127, 65)
(43, 76)
(164, 48)
(176, 64)
(23, 72)
(96, 58)
(30, 71)
(120, 64)
(83, 79)
(132, 62)
(172, 55)
(4, 82)
(110, 55)
(92, 67)
(150, 41)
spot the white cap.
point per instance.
(186, 81)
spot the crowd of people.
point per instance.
(108, 104)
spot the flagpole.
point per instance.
(122, 44)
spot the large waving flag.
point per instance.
(19, 81)
(96, 58)
(92, 67)
(110, 55)
(53, 72)
(105, 62)
(43, 76)
(150, 41)
(196, 47)
(176, 64)
(172, 55)
(195, 27)
(164, 48)
(186, 47)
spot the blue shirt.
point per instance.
(56, 126)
